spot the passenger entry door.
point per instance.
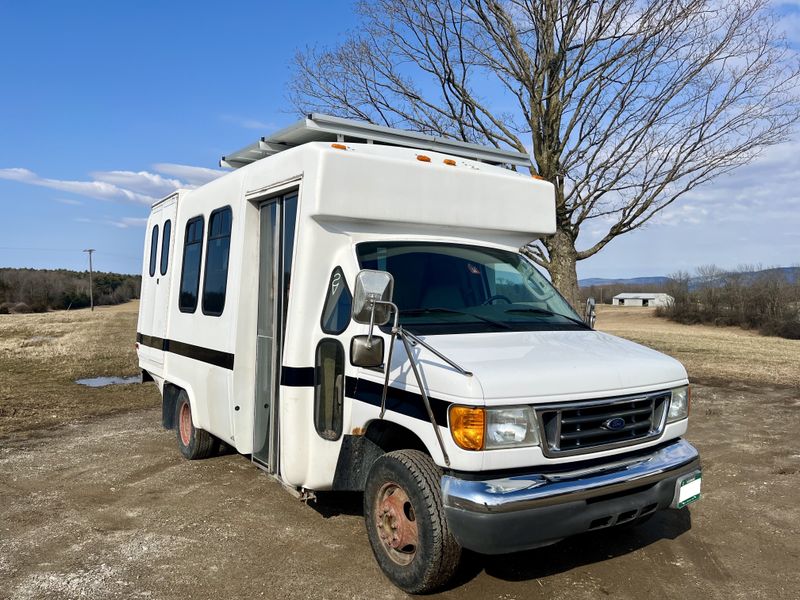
(164, 268)
(276, 245)
(155, 293)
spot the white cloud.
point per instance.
(151, 184)
(141, 187)
(193, 176)
(100, 190)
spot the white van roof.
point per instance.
(325, 128)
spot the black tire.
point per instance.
(411, 480)
(193, 443)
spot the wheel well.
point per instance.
(390, 436)
(359, 452)
(168, 402)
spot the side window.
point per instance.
(329, 389)
(338, 301)
(215, 280)
(190, 270)
(153, 249)
(165, 236)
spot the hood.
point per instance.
(546, 365)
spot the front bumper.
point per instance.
(525, 511)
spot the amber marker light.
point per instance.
(423, 158)
(449, 161)
(339, 146)
(539, 177)
(467, 426)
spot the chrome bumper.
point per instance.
(534, 509)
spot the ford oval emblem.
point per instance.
(614, 424)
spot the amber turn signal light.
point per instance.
(467, 425)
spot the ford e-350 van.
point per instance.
(349, 307)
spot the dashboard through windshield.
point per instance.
(451, 288)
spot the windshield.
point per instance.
(450, 288)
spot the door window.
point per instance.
(153, 250)
(329, 389)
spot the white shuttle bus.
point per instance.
(349, 307)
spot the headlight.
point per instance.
(679, 404)
(475, 428)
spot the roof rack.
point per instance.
(324, 128)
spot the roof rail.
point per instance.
(325, 128)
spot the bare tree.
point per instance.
(625, 105)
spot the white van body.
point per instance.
(251, 369)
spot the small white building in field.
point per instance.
(642, 299)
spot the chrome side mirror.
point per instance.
(365, 352)
(589, 313)
(371, 298)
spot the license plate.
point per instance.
(688, 489)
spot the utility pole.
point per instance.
(91, 291)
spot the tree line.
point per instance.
(748, 297)
(767, 300)
(35, 290)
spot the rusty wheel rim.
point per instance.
(397, 524)
(185, 424)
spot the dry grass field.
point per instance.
(41, 356)
(712, 355)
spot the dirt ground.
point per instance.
(104, 507)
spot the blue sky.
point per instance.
(104, 105)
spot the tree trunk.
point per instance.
(562, 267)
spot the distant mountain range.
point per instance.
(598, 281)
(792, 274)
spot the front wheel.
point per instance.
(405, 522)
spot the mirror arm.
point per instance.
(456, 366)
(402, 334)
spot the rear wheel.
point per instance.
(405, 522)
(193, 443)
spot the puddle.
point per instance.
(104, 381)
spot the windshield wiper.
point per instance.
(544, 311)
(425, 311)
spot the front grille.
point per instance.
(579, 427)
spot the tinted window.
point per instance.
(215, 280)
(190, 270)
(165, 247)
(338, 301)
(452, 288)
(329, 389)
(153, 249)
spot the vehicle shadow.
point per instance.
(577, 551)
(333, 504)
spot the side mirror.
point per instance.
(373, 288)
(365, 352)
(590, 314)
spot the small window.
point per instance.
(215, 280)
(153, 249)
(190, 270)
(338, 302)
(165, 246)
(329, 389)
